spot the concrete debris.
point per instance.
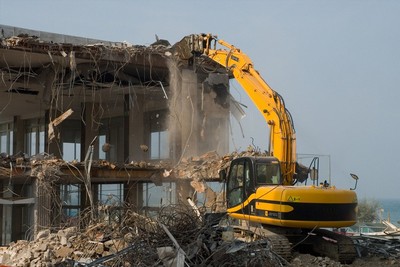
(388, 248)
(207, 166)
(51, 248)
(167, 173)
(309, 260)
(106, 147)
(169, 257)
(372, 252)
(176, 237)
(56, 122)
(199, 186)
(144, 148)
(33, 42)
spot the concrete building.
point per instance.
(79, 115)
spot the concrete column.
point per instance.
(56, 209)
(215, 111)
(184, 122)
(42, 207)
(90, 128)
(18, 138)
(134, 195)
(136, 128)
(189, 119)
(126, 141)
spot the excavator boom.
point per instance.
(282, 138)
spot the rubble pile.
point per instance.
(387, 247)
(309, 260)
(209, 164)
(22, 160)
(50, 248)
(176, 234)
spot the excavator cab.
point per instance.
(248, 173)
(255, 191)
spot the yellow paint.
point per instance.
(279, 196)
(292, 223)
(273, 207)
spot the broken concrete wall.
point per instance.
(102, 81)
(214, 109)
(199, 109)
(93, 80)
(184, 118)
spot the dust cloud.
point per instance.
(198, 119)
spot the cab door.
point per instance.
(240, 183)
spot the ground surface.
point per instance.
(373, 261)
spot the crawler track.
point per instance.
(326, 243)
(319, 241)
(337, 247)
(279, 244)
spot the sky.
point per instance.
(336, 64)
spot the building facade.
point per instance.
(79, 115)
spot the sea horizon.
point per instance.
(390, 209)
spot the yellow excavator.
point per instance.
(264, 190)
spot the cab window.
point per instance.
(268, 173)
(239, 175)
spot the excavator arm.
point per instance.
(282, 139)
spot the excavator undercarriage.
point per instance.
(284, 242)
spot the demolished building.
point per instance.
(79, 115)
